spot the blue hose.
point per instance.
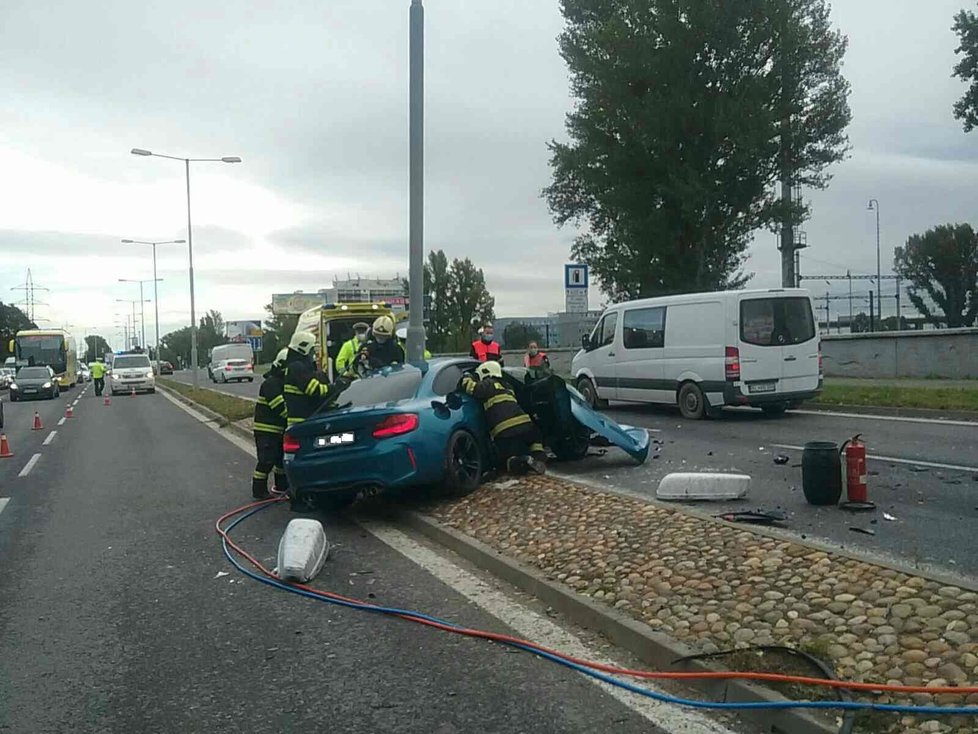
(654, 695)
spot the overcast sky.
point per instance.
(313, 96)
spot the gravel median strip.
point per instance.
(717, 586)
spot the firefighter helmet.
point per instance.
(490, 368)
(303, 342)
(383, 326)
(281, 358)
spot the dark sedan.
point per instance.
(34, 382)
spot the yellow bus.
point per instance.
(52, 347)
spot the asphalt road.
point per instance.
(115, 615)
(238, 389)
(927, 480)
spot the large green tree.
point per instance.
(518, 334)
(459, 301)
(687, 113)
(278, 330)
(175, 346)
(966, 28)
(12, 320)
(210, 333)
(943, 263)
(95, 346)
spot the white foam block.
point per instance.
(302, 550)
(706, 486)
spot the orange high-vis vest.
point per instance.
(538, 360)
(484, 351)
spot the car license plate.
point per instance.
(30, 390)
(757, 387)
(335, 439)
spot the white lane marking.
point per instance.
(29, 465)
(50, 438)
(528, 623)
(3, 502)
(524, 621)
(893, 459)
(894, 418)
(62, 421)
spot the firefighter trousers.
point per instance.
(512, 452)
(269, 449)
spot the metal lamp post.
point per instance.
(415, 333)
(875, 205)
(190, 242)
(142, 303)
(156, 297)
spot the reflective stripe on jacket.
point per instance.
(271, 415)
(503, 412)
(304, 391)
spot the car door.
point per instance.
(602, 357)
(640, 361)
(799, 349)
(759, 348)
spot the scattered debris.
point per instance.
(888, 516)
(703, 486)
(873, 473)
(507, 484)
(709, 453)
(755, 517)
(781, 459)
(857, 506)
(864, 531)
(222, 574)
(952, 481)
(919, 469)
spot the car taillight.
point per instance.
(290, 444)
(396, 425)
(731, 364)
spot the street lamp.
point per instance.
(156, 297)
(142, 308)
(133, 302)
(875, 205)
(190, 242)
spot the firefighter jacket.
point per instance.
(270, 413)
(484, 351)
(382, 354)
(305, 389)
(503, 413)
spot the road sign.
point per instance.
(575, 300)
(256, 343)
(575, 276)
(575, 288)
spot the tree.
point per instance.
(278, 330)
(687, 113)
(966, 108)
(95, 347)
(517, 335)
(12, 320)
(175, 346)
(860, 323)
(459, 302)
(943, 263)
(210, 333)
(437, 286)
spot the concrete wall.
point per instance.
(949, 353)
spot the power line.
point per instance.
(29, 302)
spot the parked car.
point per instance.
(166, 368)
(34, 382)
(704, 351)
(6, 377)
(408, 426)
(131, 372)
(84, 373)
(231, 362)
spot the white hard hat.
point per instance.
(401, 332)
(490, 368)
(303, 342)
(383, 326)
(281, 358)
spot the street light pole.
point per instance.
(190, 244)
(156, 294)
(415, 333)
(874, 204)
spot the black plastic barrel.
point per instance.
(821, 473)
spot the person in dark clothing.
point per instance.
(519, 446)
(382, 349)
(270, 422)
(306, 388)
(486, 347)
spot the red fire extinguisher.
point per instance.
(856, 487)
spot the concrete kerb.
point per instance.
(870, 410)
(210, 414)
(658, 650)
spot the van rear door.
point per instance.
(778, 344)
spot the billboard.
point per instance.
(245, 331)
(284, 304)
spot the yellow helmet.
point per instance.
(303, 342)
(383, 326)
(281, 358)
(490, 368)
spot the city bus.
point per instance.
(52, 347)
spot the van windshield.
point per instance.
(131, 362)
(776, 322)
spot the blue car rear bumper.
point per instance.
(388, 465)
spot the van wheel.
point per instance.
(774, 409)
(590, 393)
(692, 403)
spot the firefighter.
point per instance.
(381, 348)
(270, 422)
(306, 388)
(348, 352)
(519, 447)
(534, 358)
(402, 341)
(485, 347)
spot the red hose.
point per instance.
(602, 667)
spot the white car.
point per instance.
(232, 363)
(131, 372)
(6, 377)
(703, 351)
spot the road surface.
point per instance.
(118, 615)
(927, 477)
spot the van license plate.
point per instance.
(757, 387)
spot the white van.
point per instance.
(704, 351)
(232, 362)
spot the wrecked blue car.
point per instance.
(410, 426)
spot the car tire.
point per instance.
(464, 465)
(152, 391)
(692, 401)
(586, 388)
(774, 409)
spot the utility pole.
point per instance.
(872, 323)
(29, 302)
(415, 333)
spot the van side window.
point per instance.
(645, 328)
(774, 322)
(608, 324)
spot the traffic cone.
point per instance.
(5, 452)
(107, 401)
(133, 393)
(69, 413)
(37, 422)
